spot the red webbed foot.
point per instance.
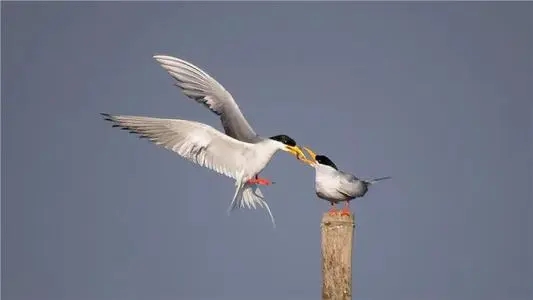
(333, 211)
(346, 210)
(260, 181)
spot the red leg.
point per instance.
(346, 210)
(332, 210)
(259, 181)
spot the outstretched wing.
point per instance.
(196, 142)
(198, 85)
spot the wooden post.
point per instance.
(337, 241)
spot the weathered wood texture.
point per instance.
(337, 242)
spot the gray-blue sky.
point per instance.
(436, 95)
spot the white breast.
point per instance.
(258, 157)
(326, 183)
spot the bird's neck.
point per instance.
(323, 171)
(266, 149)
(270, 146)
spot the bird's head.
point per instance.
(318, 159)
(287, 144)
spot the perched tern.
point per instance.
(201, 87)
(334, 185)
(210, 148)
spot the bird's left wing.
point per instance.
(194, 141)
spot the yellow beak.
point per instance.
(296, 151)
(312, 154)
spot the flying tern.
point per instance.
(203, 88)
(334, 185)
(210, 148)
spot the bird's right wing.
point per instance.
(200, 86)
(196, 142)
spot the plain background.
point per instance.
(438, 96)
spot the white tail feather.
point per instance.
(372, 181)
(250, 196)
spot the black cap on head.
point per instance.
(284, 139)
(324, 160)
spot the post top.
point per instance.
(328, 219)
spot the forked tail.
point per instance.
(372, 181)
(250, 196)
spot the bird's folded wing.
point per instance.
(198, 85)
(346, 183)
(197, 142)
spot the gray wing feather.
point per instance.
(200, 86)
(196, 142)
(346, 184)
